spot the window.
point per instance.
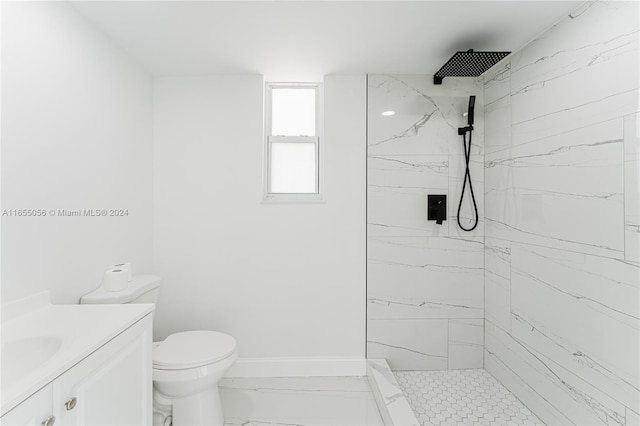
(292, 152)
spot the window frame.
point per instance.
(269, 139)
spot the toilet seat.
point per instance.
(192, 349)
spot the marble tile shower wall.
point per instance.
(424, 281)
(561, 194)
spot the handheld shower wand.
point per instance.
(469, 114)
(467, 156)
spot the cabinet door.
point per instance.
(33, 411)
(112, 386)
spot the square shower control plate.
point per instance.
(435, 203)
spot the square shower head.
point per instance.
(468, 64)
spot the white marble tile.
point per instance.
(552, 191)
(397, 193)
(632, 209)
(590, 322)
(632, 187)
(466, 343)
(409, 344)
(497, 84)
(497, 281)
(561, 289)
(604, 288)
(408, 172)
(411, 277)
(527, 376)
(497, 109)
(599, 391)
(415, 271)
(394, 408)
(552, 79)
(632, 417)
(426, 116)
(632, 134)
(298, 401)
(467, 212)
(469, 397)
(557, 124)
(497, 118)
(550, 389)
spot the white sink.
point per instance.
(40, 341)
(21, 356)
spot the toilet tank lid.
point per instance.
(139, 285)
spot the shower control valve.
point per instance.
(437, 208)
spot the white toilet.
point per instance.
(186, 366)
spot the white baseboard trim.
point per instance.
(298, 367)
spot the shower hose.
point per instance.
(467, 176)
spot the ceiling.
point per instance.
(304, 40)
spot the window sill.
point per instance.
(293, 199)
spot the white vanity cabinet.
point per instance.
(34, 411)
(111, 386)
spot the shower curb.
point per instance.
(393, 406)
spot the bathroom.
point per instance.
(347, 304)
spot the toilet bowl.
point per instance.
(187, 366)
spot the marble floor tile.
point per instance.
(462, 397)
(299, 401)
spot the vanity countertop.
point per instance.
(40, 341)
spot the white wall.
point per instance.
(562, 275)
(286, 280)
(76, 133)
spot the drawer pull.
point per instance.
(70, 404)
(49, 421)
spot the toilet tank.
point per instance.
(141, 289)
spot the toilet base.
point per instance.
(161, 410)
(203, 408)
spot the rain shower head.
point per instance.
(468, 64)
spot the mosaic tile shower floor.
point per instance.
(462, 397)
